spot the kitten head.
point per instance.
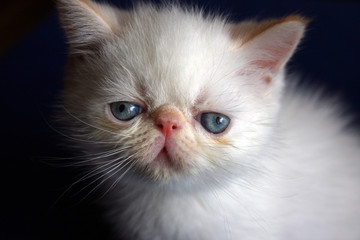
(169, 93)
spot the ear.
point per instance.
(268, 45)
(86, 23)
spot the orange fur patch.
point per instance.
(223, 141)
(268, 79)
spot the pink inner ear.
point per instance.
(275, 56)
(271, 49)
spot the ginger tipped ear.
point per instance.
(86, 23)
(268, 45)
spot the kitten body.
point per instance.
(284, 167)
(303, 185)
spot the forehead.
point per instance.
(173, 56)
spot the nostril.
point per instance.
(167, 127)
(168, 122)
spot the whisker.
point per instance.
(92, 161)
(88, 175)
(99, 170)
(118, 179)
(72, 138)
(224, 215)
(82, 121)
(91, 125)
(119, 165)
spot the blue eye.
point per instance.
(214, 122)
(125, 111)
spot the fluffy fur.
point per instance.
(285, 168)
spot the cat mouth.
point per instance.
(164, 150)
(163, 156)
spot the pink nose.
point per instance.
(168, 122)
(167, 127)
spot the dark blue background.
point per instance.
(31, 77)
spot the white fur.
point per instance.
(291, 171)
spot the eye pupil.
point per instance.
(121, 107)
(219, 120)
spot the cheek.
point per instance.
(249, 134)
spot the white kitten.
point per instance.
(193, 134)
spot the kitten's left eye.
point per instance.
(125, 111)
(214, 122)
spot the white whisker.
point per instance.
(114, 170)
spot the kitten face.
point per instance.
(170, 92)
(165, 90)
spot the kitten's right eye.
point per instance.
(125, 111)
